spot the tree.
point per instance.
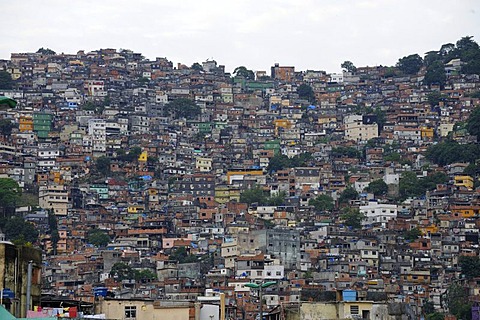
(348, 152)
(457, 301)
(435, 97)
(277, 200)
(46, 51)
(53, 229)
(412, 234)
(410, 64)
(473, 123)
(103, 165)
(408, 185)
(446, 49)
(377, 187)
(352, 217)
(182, 108)
(182, 255)
(435, 74)
(306, 92)
(6, 127)
(469, 52)
(10, 193)
(450, 151)
(322, 203)
(98, 238)
(348, 194)
(197, 66)
(143, 81)
(244, 72)
(431, 57)
(349, 66)
(121, 271)
(6, 81)
(470, 266)
(253, 195)
(145, 275)
(18, 230)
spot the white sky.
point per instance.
(308, 34)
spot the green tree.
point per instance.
(197, 66)
(103, 165)
(143, 81)
(181, 255)
(390, 72)
(450, 151)
(435, 97)
(182, 108)
(392, 157)
(244, 72)
(435, 316)
(470, 266)
(410, 64)
(447, 49)
(412, 234)
(349, 66)
(253, 195)
(98, 238)
(322, 203)
(352, 217)
(306, 92)
(46, 51)
(6, 126)
(278, 162)
(18, 230)
(349, 152)
(277, 200)
(6, 81)
(435, 74)
(473, 123)
(145, 275)
(409, 185)
(53, 229)
(428, 307)
(348, 194)
(431, 57)
(10, 193)
(121, 271)
(377, 187)
(457, 301)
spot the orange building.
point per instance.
(25, 123)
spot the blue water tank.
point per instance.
(349, 295)
(100, 291)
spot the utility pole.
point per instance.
(29, 285)
(260, 288)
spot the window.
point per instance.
(130, 312)
(354, 310)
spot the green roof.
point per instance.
(8, 101)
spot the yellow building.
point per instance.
(135, 209)
(146, 309)
(341, 310)
(427, 132)
(281, 123)
(464, 181)
(429, 229)
(25, 123)
(143, 157)
(465, 211)
(225, 194)
(240, 175)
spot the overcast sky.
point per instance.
(308, 34)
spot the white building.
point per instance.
(359, 128)
(375, 213)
